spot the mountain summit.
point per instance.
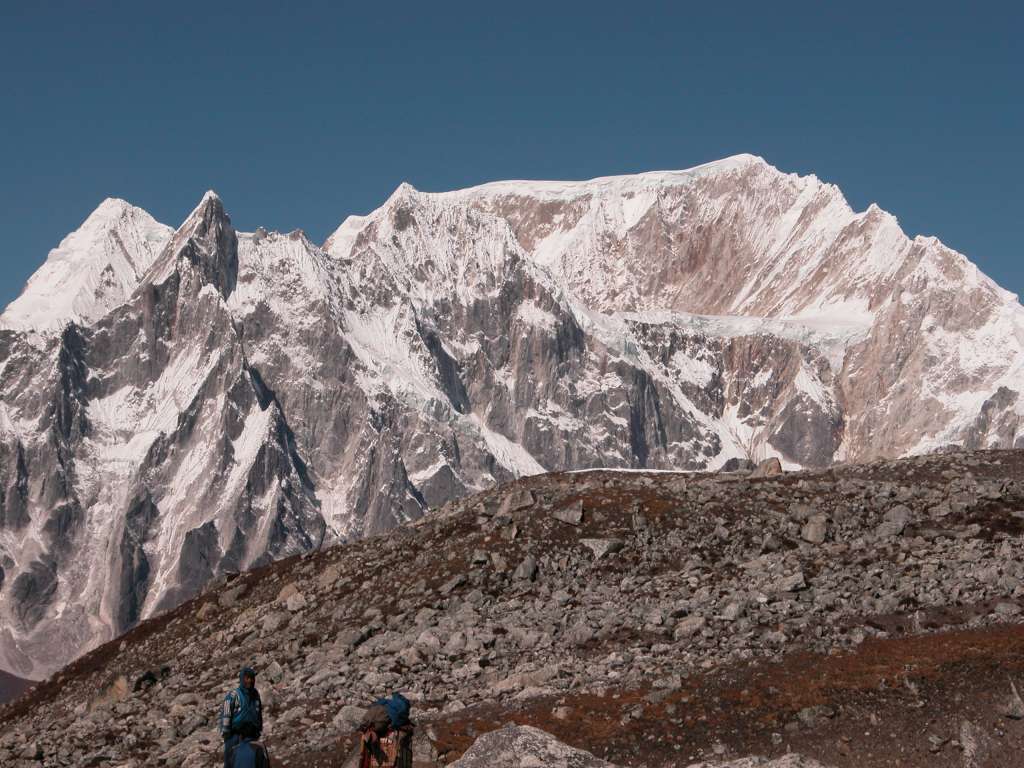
(176, 405)
(93, 270)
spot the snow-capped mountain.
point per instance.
(93, 270)
(174, 405)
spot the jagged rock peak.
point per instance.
(405, 188)
(207, 241)
(208, 213)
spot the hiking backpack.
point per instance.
(248, 720)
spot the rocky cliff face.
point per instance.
(142, 455)
(205, 400)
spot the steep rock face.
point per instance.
(155, 459)
(241, 396)
(904, 322)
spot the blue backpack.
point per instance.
(248, 720)
(398, 709)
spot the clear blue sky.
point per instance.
(299, 116)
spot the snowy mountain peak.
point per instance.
(611, 185)
(205, 245)
(607, 239)
(110, 209)
(402, 190)
(210, 208)
(91, 271)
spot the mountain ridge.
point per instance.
(256, 395)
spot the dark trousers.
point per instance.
(229, 744)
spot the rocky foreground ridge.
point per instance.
(865, 615)
(177, 404)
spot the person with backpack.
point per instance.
(241, 716)
(385, 734)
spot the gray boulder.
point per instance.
(602, 547)
(527, 568)
(768, 468)
(517, 745)
(736, 464)
(573, 514)
(815, 529)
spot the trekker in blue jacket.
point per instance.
(241, 715)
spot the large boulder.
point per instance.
(516, 746)
(521, 745)
(736, 464)
(768, 468)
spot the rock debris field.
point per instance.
(867, 615)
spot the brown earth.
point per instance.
(883, 702)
